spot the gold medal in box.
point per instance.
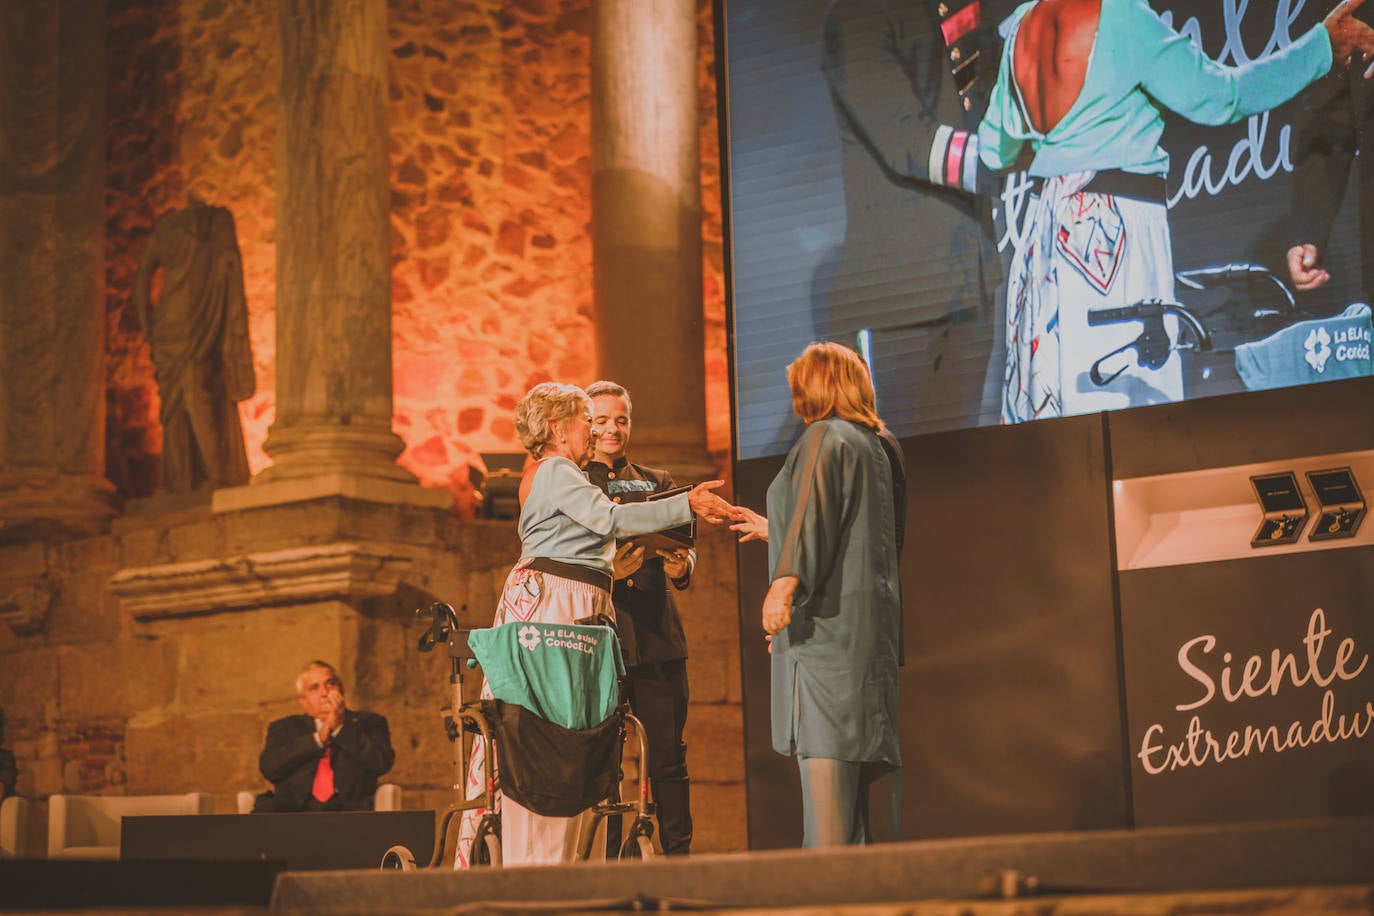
(1341, 506)
(1285, 511)
(668, 539)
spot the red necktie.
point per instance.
(323, 789)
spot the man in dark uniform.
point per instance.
(644, 604)
(329, 757)
(909, 81)
(1333, 132)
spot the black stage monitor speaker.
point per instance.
(39, 884)
(317, 840)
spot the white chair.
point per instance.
(388, 798)
(14, 827)
(88, 826)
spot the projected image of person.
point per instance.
(909, 81)
(836, 513)
(1333, 133)
(1079, 102)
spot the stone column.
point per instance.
(52, 269)
(646, 225)
(332, 432)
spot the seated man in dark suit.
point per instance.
(327, 759)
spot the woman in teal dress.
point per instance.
(834, 608)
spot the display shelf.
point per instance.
(1207, 515)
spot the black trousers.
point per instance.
(658, 698)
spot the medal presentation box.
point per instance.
(1342, 506)
(669, 538)
(1285, 511)
(1225, 513)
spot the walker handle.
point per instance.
(444, 622)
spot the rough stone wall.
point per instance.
(100, 702)
(491, 207)
(491, 202)
(490, 151)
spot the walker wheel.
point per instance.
(486, 845)
(398, 858)
(637, 846)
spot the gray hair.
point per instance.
(300, 678)
(545, 407)
(615, 390)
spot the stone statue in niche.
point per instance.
(198, 333)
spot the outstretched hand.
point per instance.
(750, 525)
(1349, 36)
(707, 505)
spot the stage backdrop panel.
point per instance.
(1261, 605)
(1010, 712)
(1243, 429)
(1015, 706)
(1249, 688)
(1011, 720)
(842, 223)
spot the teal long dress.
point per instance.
(831, 518)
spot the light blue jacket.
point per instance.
(567, 517)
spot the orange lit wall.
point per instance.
(491, 188)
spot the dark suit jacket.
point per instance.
(918, 250)
(359, 753)
(1336, 122)
(646, 614)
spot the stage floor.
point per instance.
(1072, 867)
(1340, 901)
(1285, 868)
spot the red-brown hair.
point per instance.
(830, 380)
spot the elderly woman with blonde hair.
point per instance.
(568, 531)
(834, 607)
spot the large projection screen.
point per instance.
(847, 222)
